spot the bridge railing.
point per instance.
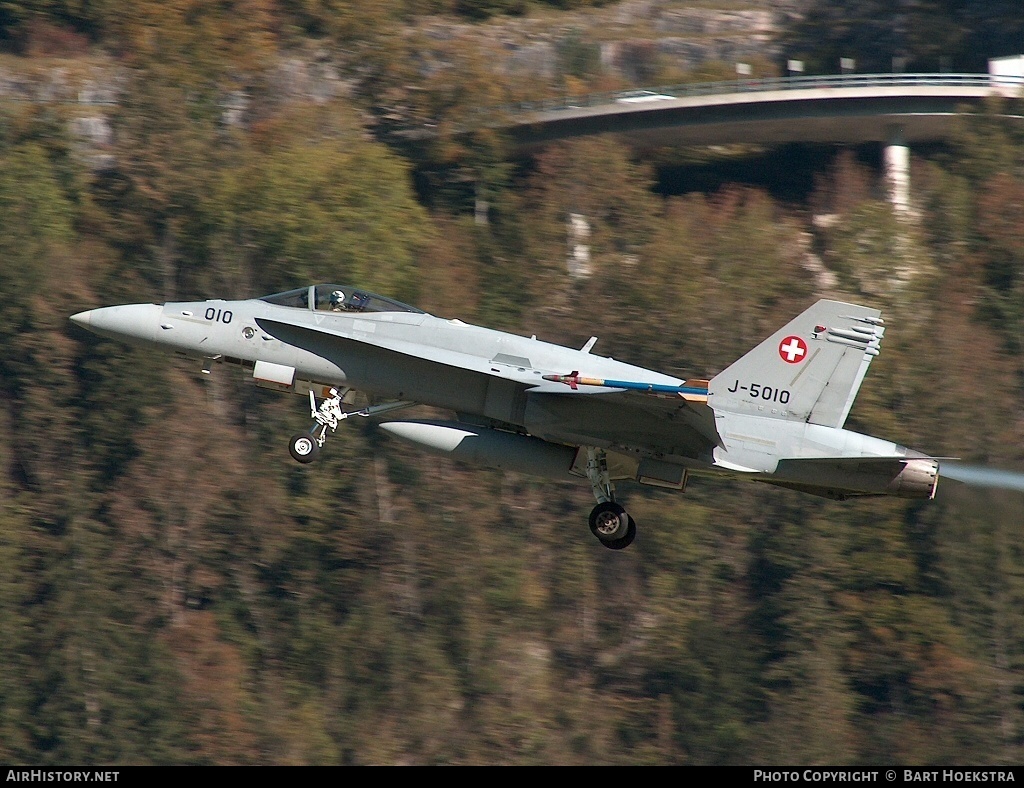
(753, 85)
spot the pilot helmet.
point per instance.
(337, 299)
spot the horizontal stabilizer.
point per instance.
(840, 477)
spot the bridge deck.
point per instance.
(844, 109)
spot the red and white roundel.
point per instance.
(793, 350)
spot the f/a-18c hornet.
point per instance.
(776, 415)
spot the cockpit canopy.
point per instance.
(338, 298)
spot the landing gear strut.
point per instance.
(609, 522)
(305, 446)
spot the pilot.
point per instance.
(338, 301)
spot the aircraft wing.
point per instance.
(299, 335)
(295, 333)
(631, 419)
(695, 415)
(585, 415)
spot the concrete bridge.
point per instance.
(892, 109)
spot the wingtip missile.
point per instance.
(572, 380)
(692, 391)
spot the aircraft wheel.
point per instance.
(609, 522)
(625, 541)
(303, 447)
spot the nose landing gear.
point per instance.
(305, 446)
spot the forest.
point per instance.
(177, 590)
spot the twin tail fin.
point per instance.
(809, 370)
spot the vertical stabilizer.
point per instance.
(809, 370)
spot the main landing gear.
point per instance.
(305, 446)
(609, 522)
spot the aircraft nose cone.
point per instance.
(82, 318)
(131, 322)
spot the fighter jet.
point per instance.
(776, 415)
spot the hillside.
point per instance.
(178, 590)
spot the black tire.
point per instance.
(303, 447)
(609, 522)
(625, 541)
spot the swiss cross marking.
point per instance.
(793, 350)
